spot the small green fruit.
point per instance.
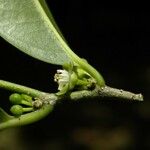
(15, 98)
(20, 99)
(16, 110)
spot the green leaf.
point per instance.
(29, 26)
(7, 121)
(51, 18)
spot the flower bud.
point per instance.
(15, 98)
(16, 110)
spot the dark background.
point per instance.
(115, 40)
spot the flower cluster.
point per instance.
(75, 78)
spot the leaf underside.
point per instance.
(29, 26)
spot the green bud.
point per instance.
(15, 98)
(20, 99)
(73, 80)
(16, 110)
(26, 97)
(68, 66)
(81, 73)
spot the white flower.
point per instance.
(62, 78)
